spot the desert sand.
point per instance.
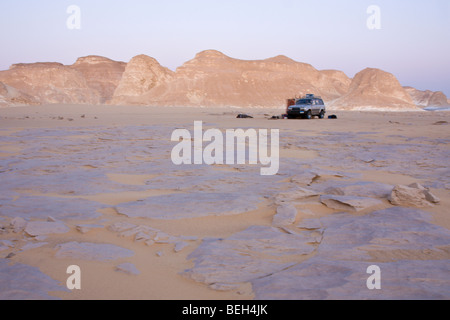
(94, 186)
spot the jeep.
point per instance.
(306, 107)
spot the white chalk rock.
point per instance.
(285, 215)
(431, 197)
(128, 268)
(85, 228)
(349, 202)
(38, 228)
(413, 195)
(18, 224)
(180, 246)
(92, 251)
(294, 194)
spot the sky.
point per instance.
(411, 38)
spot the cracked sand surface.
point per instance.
(208, 231)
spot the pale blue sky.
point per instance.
(413, 43)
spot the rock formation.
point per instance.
(214, 79)
(374, 89)
(12, 96)
(50, 83)
(210, 79)
(413, 195)
(343, 254)
(91, 251)
(38, 228)
(90, 80)
(351, 203)
(427, 98)
(142, 74)
(339, 80)
(102, 74)
(22, 282)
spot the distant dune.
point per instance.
(210, 79)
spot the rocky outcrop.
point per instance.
(102, 75)
(22, 282)
(427, 98)
(214, 79)
(91, 251)
(10, 96)
(350, 203)
(374, 89)
(338, 83)
(285, 216)
(361, 189)
(128, 268)
(253, 253)
(341, 247)
(50, 83)
(39, 228)
(211, 78)
(90, 80)
(414, 195)
(142, 74)
(348, 246)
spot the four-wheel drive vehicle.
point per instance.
(305, 107)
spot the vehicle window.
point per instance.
(321, 102)
(304, 101)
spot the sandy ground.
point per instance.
(160, 276)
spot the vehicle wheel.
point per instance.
(321, 114)
(308, 115)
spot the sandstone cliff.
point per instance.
(214, 79)
(427, 98)
(102, 75)
(142, 74)
(210, 79)
(90, 80)
(10, 96)
(374, 89)
(50, 83)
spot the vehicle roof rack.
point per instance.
(311, 96)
